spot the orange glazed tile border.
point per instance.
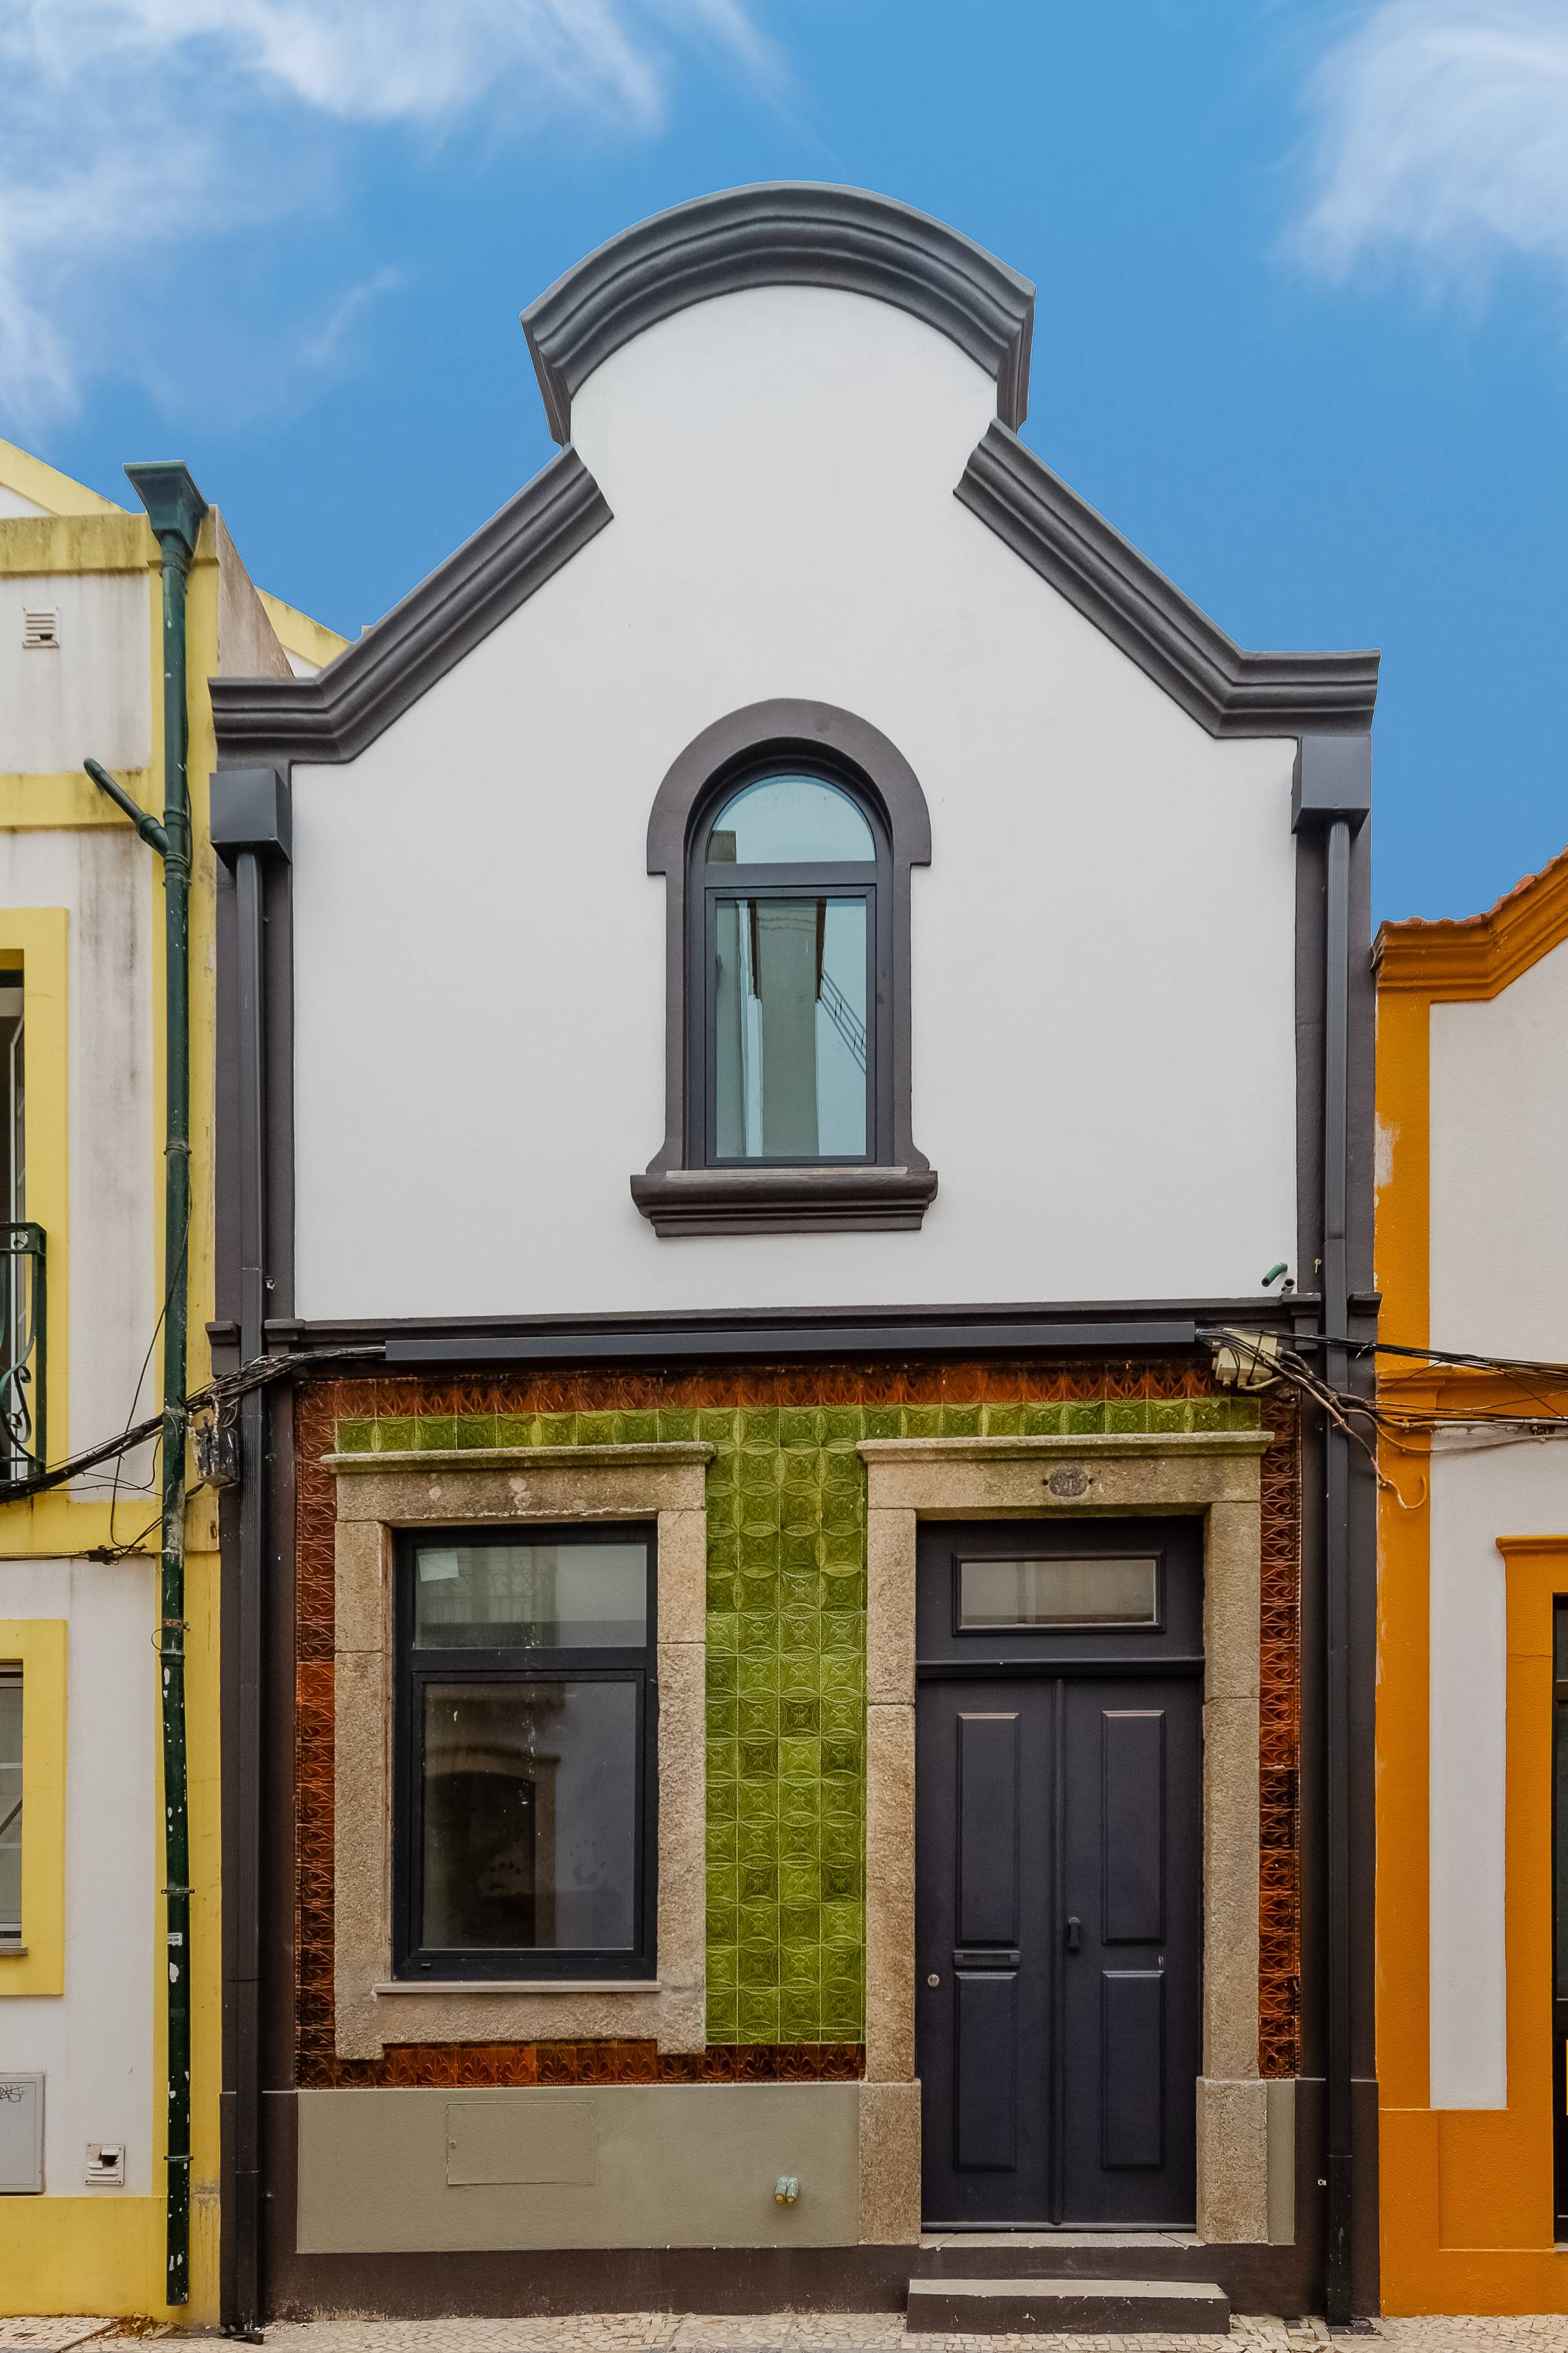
(320, 1406)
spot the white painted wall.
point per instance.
(1500, 1136)
(91, 694)
(13, 504)
(1480, 1490)
(1103, 945)
(95, 2047)
(104, 878)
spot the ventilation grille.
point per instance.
(40, 626)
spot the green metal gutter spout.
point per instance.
(174, 509)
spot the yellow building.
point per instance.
(1472, 1260)
(84, 1956)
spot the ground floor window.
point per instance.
(523, 1826)
(10, 1806)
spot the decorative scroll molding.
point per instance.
(1226, 689)
(783, 233)
(335, 714)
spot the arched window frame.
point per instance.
(681, 1192)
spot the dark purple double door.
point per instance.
(1058, 1898)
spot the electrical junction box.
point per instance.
(105, 2163)
(21, 2133)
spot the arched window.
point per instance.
(789, 873)
(785, 835)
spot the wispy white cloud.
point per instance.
(127, 126)
(1440, 141)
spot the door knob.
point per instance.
(1075, 1933)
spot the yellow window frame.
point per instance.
(38, 1645)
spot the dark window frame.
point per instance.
(682, 1191)
(413, 1669)
(709, 883)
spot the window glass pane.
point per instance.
(790, 1032)
(10, 1807)
(530, 1815)
(1057, 1593)
(1559, 1642)
(530, 1596)
(790, 821)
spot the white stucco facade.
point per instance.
(1498, 1148)
(1103, 1074)
(90, 691)
(94, 2043)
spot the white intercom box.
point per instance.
(21, 2133)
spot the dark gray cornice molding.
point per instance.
(781, 233)
(334, 716)
(1217, 682)
(784, 1201)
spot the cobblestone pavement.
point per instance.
(783, 2332)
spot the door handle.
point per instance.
(1075, 1933)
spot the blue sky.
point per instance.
(1302, 271)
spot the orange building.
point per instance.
(1472, 1260)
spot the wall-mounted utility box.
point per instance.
(21, 2133)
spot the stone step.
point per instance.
(1089, 2307)
(1061, 2254)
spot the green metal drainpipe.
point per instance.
(174, 509)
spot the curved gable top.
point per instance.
(781, 233)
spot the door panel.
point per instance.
(985, 2088)
(983, 1913)
(987, 1829)
(1129, 2024)
(1132, 1759)
(1132, 2067)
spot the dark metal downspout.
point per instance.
(174, 509)
(1332, 791)
(250, 823)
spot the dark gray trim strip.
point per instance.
(376, 679)
(1217, 682)
(789, 1340)
(784, 1201)
(781, 233)
(760, 732)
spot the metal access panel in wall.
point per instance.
(21, 2133)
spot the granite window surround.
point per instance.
(382, 1491)
(1245, 2144)
(676, 1193)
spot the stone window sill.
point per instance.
(783, 1200)
(469, 1985)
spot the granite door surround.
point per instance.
(379, 1493)
(1215, 1475)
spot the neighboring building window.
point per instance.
(19, 1261)
(10, 1806)
(789, 882)
(523, 1836)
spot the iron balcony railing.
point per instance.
(23, 1327)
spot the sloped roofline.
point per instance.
(791, 233)
(1227, 689)
(781, 233)
(1470, 957)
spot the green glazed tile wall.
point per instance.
(786, 1665)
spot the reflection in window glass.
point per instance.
(790, 1029)
(530, 1596)
(530, 1815)
(1057, 1593)
(790, 821)
(10, 1805)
